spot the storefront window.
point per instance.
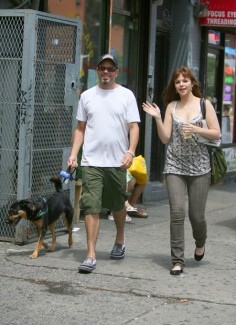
(212, 59)
(90, 14)
(119, 38)
(123, 41)
(164, 15)
(228, 112)
(214, 37)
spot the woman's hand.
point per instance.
(188, 128)
(152, 109)
(164, 130)
(191, 128)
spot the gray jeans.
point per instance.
(197, 190)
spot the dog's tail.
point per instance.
(57, 182)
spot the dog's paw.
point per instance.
(70, 243)
(51, 248)
(45, 245)
(34, 255)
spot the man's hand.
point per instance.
(127, 160)
(72, 162)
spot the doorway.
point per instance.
(160, 82)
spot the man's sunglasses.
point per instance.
(109, 69)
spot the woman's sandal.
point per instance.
(177, 269)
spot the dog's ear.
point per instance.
(24, 203)
(55, 179)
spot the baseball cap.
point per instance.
(108, 57)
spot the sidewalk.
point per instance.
(136, 290)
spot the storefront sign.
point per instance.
(213, 37)
(220, 13)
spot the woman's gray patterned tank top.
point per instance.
(186, 156)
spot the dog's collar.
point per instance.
(41, 212)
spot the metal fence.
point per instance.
(39, 68)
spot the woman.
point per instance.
(187, 163)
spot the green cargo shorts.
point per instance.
(103, 187)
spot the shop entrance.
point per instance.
(161, 79)
(220, 89)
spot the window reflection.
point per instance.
(90, 14)
(211, 70)
(123, 41)
(229, 90)
(123, 35)
(119, 39)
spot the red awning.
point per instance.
(220, 13)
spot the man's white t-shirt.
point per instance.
(107, 114)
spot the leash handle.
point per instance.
(68, 174)
(71, 173)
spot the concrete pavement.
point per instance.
(136, 290)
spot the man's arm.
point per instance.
(133, 142)
(133, 136)
(77, 141)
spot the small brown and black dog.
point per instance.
(44, 213)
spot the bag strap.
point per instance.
(203, 107)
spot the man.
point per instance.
(108, 128)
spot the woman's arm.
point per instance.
(164, 130)
(213, 131)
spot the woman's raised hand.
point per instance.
(152, 109)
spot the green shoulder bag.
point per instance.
(217, 157)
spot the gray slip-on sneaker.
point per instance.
(88, 265)
(118, 251)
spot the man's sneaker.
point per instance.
(118, 251)
(88, 265)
